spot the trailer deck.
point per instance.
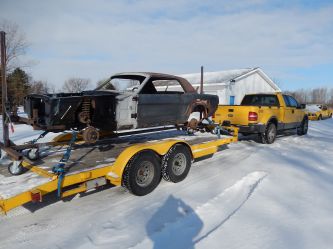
(96, 165)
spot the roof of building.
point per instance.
(216, 77)
(227, 76)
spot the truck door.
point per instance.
(291, 114)
(325, 112)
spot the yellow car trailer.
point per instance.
(136, 162)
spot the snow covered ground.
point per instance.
(248, 196)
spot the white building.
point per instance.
(232, 85)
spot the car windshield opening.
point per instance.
(121, 84)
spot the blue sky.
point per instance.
(291, 41)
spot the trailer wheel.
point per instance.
(176, 163)
(143, 173)
(268, 137)
(33, 154)
(15, 168)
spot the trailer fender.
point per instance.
(160, 148)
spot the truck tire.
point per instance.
(320, 117)
(268, 137)
(303, 129)
(176, 163)
(142, 174)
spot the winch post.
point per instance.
(5, 130)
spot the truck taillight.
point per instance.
(253, 116)
(213, 116)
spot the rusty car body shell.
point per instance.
(108, 109)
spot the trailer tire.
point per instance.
(33, 154)
(15, 168)
(176, 163)
(142, 174)
(268, 137)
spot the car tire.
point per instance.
(303, 129)
(268, 137)
(176, 163)
(142, 174)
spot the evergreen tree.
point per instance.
(18, 86)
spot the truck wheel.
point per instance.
(303, 129)
(143, 173)
(268, 137)
(320, 117)
(176, 163)
(15, 168)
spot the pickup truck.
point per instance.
(318, 112)
(265, 115)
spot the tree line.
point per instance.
(320, 95)
(20, 84)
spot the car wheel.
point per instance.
(142, 173)
(303, 129)
(268, 137)
(176, 163)
(15, 168)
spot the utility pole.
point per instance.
(4, 89)
(201, 81)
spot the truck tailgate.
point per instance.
(236, 114)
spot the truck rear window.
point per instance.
(260, 100)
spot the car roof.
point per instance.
(183, 82)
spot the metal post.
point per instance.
(201, 81)
(4, 89)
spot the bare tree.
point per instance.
(330, 101)
(75, 85)
(39, 87)
(16, 43)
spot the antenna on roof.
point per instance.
(201, 81)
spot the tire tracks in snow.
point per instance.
(207, 218)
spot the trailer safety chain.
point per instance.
(39, 137)
(60, 169)
(217, 131)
